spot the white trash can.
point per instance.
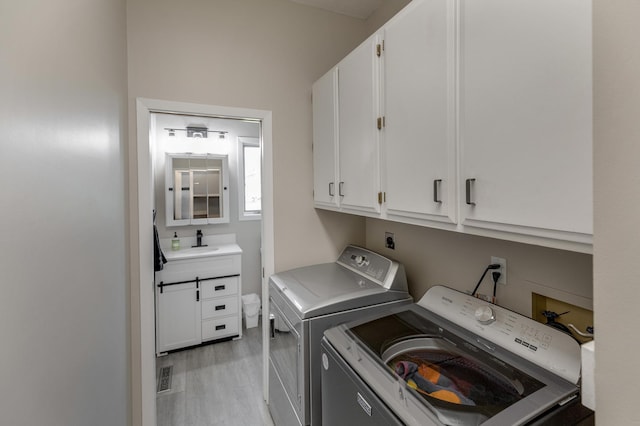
(251, 309)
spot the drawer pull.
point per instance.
(221, 307)
(221, 327)
(220, 287)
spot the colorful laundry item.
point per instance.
(430, 380)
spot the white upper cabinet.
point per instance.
(196, 189)
(358, 135)
(419, 158)
(325, 142)
(467, 115)
(525, 119)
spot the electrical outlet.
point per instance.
(389, 241)
(503, 268)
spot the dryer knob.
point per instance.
(485, 315)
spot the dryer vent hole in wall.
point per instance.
(164, 378)
(389, 241)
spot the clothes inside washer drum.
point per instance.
(428, 379)
(475, 383)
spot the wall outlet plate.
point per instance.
(503, 268)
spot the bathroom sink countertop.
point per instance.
(212, 245)
(195, 252)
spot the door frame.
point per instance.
(142, 309)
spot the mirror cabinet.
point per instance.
(197, 189)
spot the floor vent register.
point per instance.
(164, 378)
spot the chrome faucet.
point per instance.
(199, 238)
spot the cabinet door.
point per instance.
(358, 111)
(325, 140)
(525, 117)
(419, 135)
(178, 317)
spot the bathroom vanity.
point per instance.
(198, 293)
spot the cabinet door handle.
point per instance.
(468, 192)
(220, 327)
(197, 295)
(219, 287)
(272, 325)
(436, 191)
(331, 193)
(221, 307)
(340, 186)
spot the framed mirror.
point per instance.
(197, 189)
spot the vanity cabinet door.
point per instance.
(178, 316)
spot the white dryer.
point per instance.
(303, 303)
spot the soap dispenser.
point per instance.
(175, 242)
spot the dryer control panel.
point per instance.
(494, 325)
(384, 271)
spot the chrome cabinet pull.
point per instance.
(468, 192)
(436, 191)
(340, 186)
(331, 193)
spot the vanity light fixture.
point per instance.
(196, 132)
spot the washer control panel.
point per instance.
(494, 325)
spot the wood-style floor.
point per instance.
(217, 384)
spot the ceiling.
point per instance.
(361, 9)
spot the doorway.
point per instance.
(143, 365)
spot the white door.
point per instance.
(525, 116)
(325, 140)
(358, 111)
(419, 138)
(178, 316)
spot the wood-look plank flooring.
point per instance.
(217, 384)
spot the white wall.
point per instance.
(247, 232)
(617, 209)
(261, 54)
(63, 312)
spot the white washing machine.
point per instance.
(450, 359)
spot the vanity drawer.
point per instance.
(220, 287)
(218, 328)
(219, 307)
